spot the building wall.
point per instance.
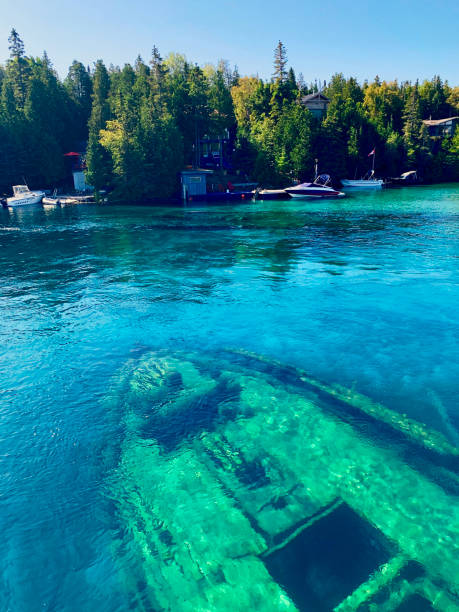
(195, 184)
(317, 107)
(443, 129)
(79, 181)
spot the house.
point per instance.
(194, 182)
(441, 127)
(215, 152)
(317, 103)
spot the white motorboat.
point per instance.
(320, 188)
(22, 196)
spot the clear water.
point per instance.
(362, 292)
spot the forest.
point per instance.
(139, 125)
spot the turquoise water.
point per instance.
(362, 292)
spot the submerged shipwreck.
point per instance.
(244, 484)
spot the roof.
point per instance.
(439, 121)
(196, 171)
(315, 96)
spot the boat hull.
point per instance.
(272, 194)
(377, 184)
(66, 200)
(36, 198)
(316, 196)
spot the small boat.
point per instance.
(22, 196)
(59, 201)
(407, 178)
(320, 188)
(368, 181)
(65, 200)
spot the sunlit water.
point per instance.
(362, 292)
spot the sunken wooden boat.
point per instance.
(245, 484)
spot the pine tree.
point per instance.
(412, 127)
(18, 67)
(97, 158)
(280, 62)
(235, 77)
(301, 84)
(157, 73)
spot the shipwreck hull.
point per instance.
(245, 485)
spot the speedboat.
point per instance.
(22, 196)
(320, 188)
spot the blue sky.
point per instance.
(402, 39)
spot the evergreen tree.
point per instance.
(18, 67)
(158, 72)
(97, 158)
(79, 86)
(280, 63)
(221, 103)
(291, 78)
(412, 127)
(235, 77)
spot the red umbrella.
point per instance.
(72, 154)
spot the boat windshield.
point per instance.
(322, 180)
(19, 189)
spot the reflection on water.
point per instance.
(360, 293)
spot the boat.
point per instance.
(320, 188)
(407, 178)
(316, 480)
(22, 196)
(65, 200)
(368, 181)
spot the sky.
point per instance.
(403, 39)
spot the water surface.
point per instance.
(361, 292)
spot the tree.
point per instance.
(412, 127)
(280, 62)
(245, 97)
(97, 158)
(221, 103)
(432, 99)
(157, 73)
(18, 67)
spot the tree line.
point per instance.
(140, 124)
